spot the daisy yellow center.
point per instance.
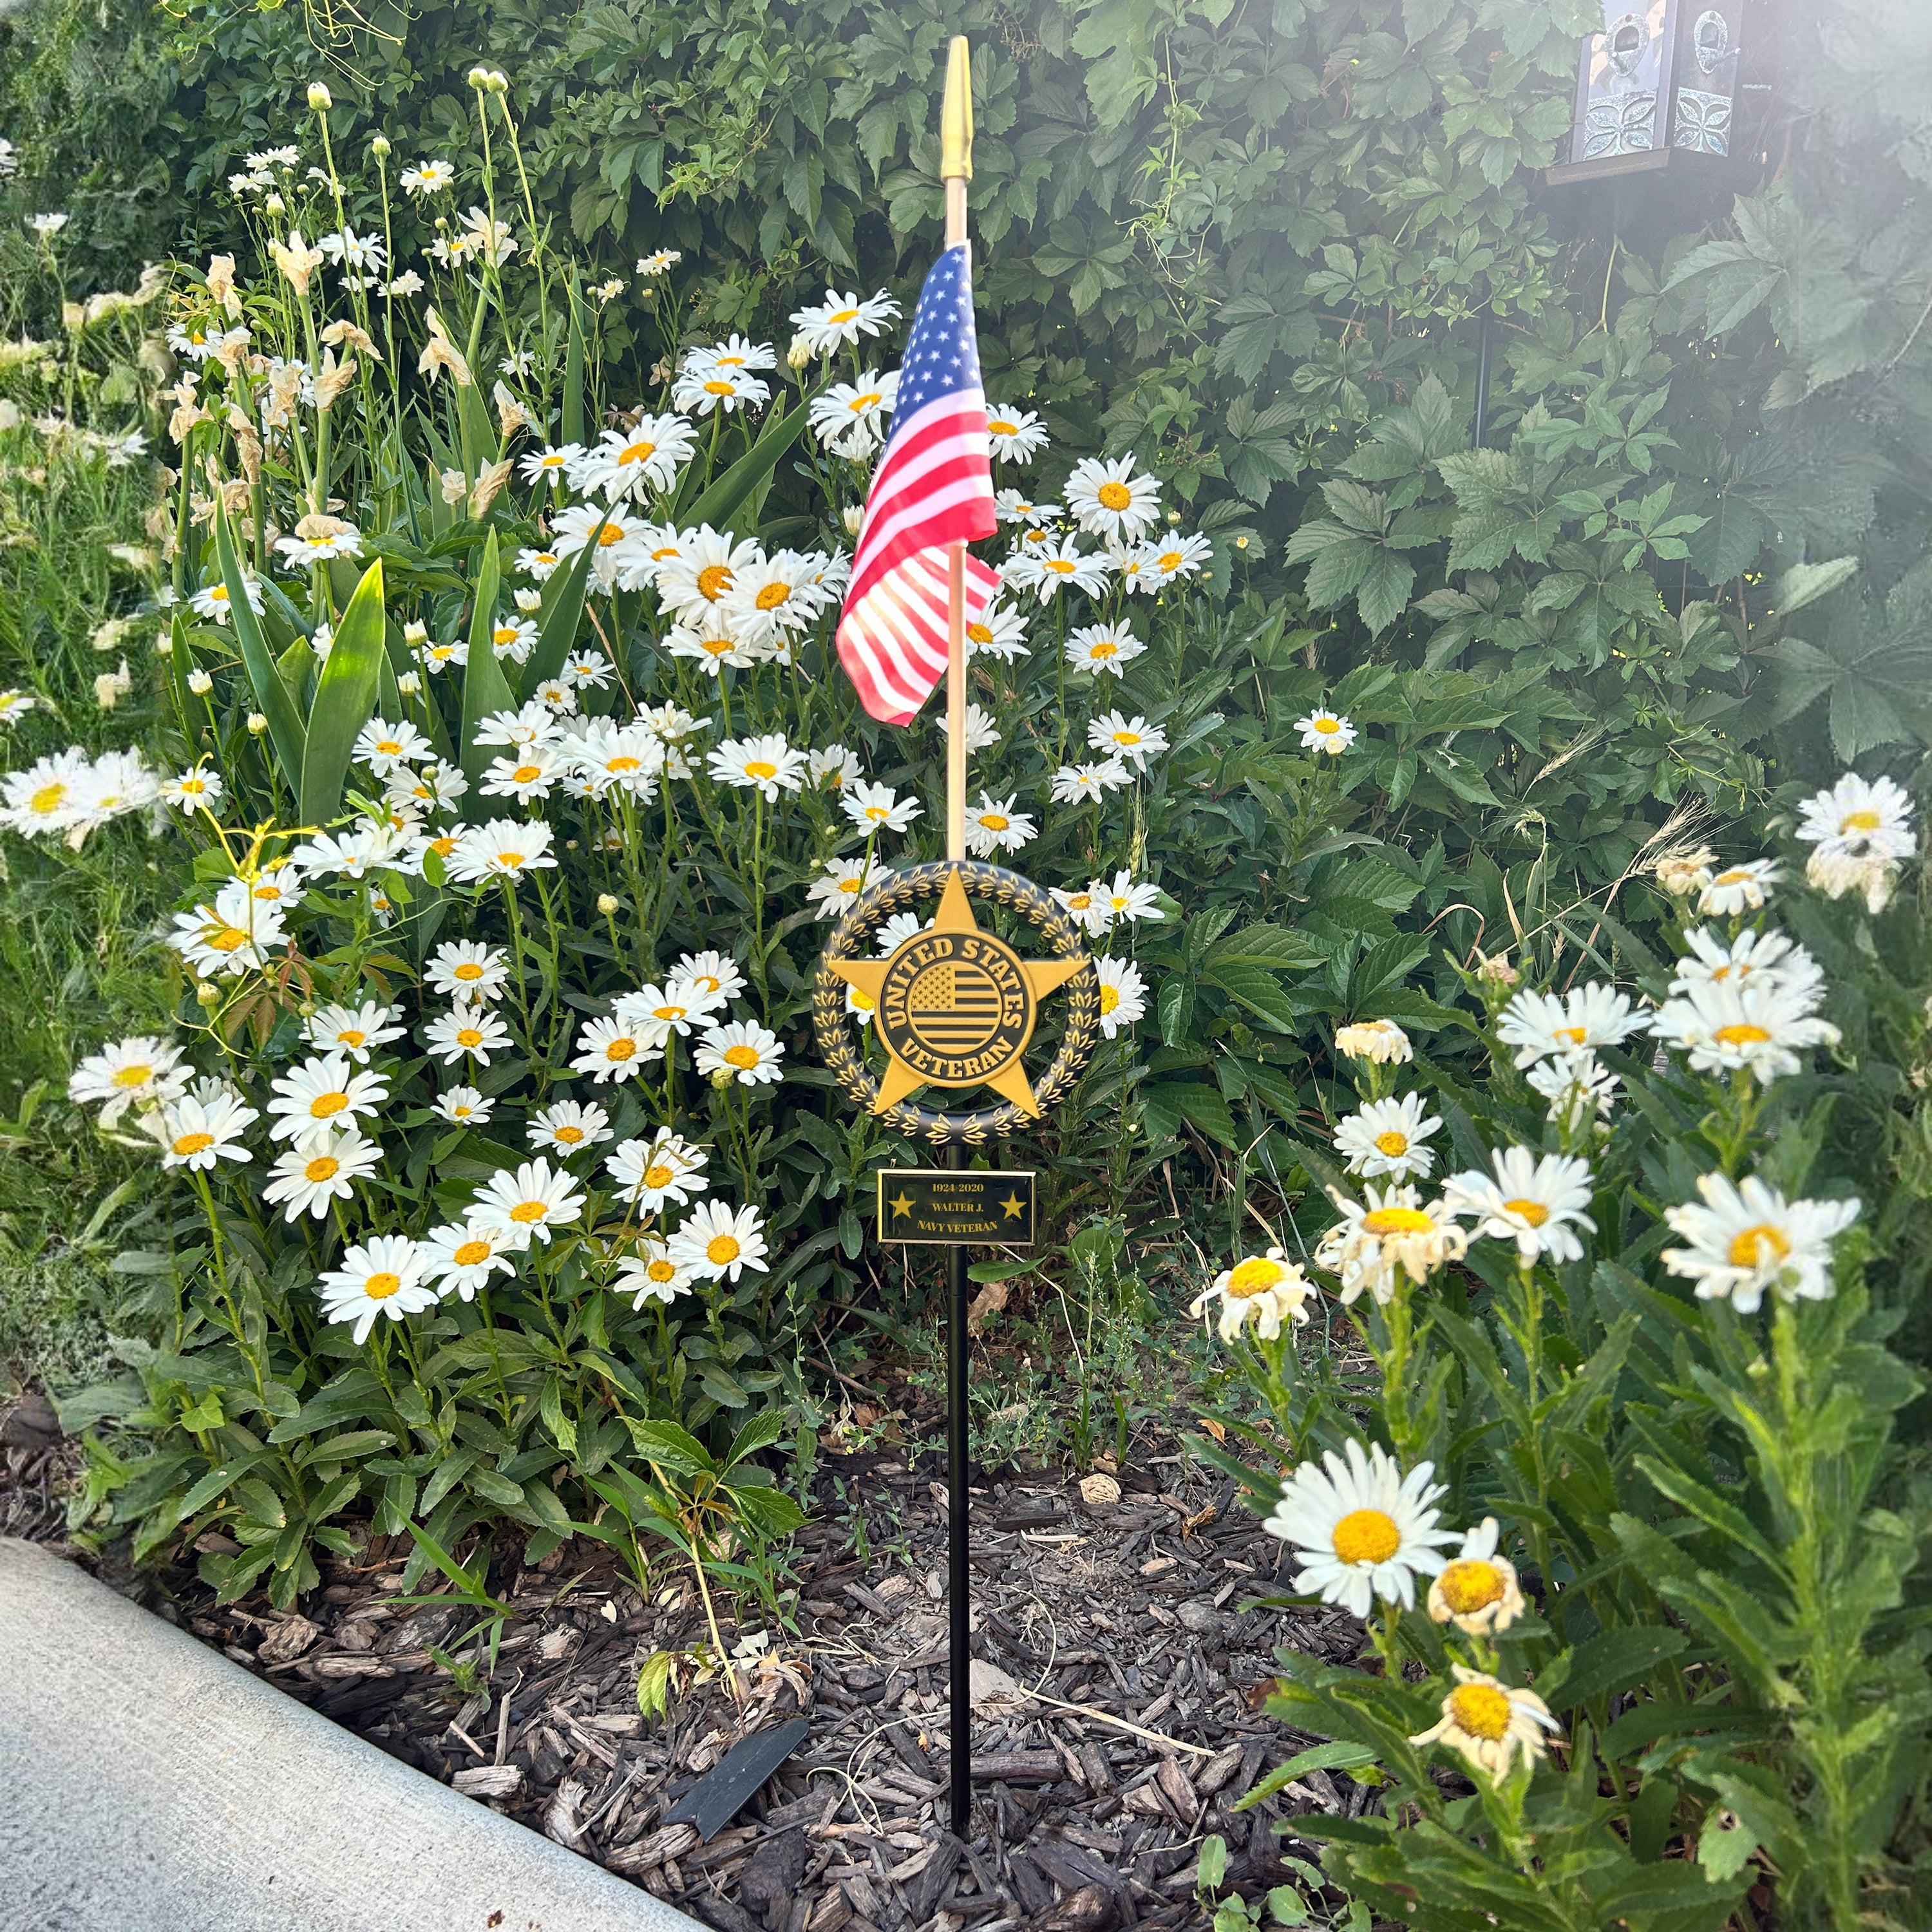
(469, 1036)
(667, 551)
(526, 774)
(1114, 496)
(381, 1285)
(188, 1143)
(659, 1176)
(390, 745)
(553, 461)
(722, 1250)
(1367, 1536)
(194, 787)
(1534, 1212)
(1059, 566)
(1576, 1036)
(1129, 738)
(326, 1106)
(1106, 648)
(570, 1136)
(1078, 901)
(843, 315)
(1469, 1585)
(1384, 1221)
(1035, 537)
(877, 814)
(1110, 998)
(1255, 1276)
(660, 1270)
(526, 1212)
(137, 1074)
(351, 1036)
(1741, 1033)
(322, 1168)
(771, 596)
(267, 890)
(1736, 877)
(1860, 821)
(718, 386)
(1002, 427)
(227, 939)
(49, 798)
(442, 847)
(621, 1049)
(744, 1057)
(469, 970)
(866, 1003)
(510, 860)
(1392, 1143)
(761, 768)
(505, 634)
(731, 361)
(667, 1012)
(637, 452)
(980, 634)
(870, 400)
(460, 1112)
(1480, 1709)
(622, 763)
(1327, 727)
(1169, 559)
(716, 647)
(219, 594)
(1756, 1246)
(472, 1254)
(611, 533)
(995, 821)
(713, 580)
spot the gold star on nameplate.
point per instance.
(903, 1205)
(1015, 1207)
(954, 1006)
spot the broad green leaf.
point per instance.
(345, 698)
(558, 630)
(485, 689)
(724, 498)
(285, 732)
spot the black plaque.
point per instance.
(718, 1797)
(940, 1207)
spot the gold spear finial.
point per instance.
(955, 117)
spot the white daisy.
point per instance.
(1001, 633)
(211, 600)
(1053, 564)
(307, 1178)
(1127, 899)
(1538, 1024)
(551, 465)
(1016, 436)
(1381, 1042)
(1132, 740)
(382, 1276)
(355, 1030)
(1389, 1234)
(427, 178)
(141, 1071)
(716, 973)
(743, 1051)
(1578, 1087)
(839, 319)
(720, 389)
(529, 774)
(1074, 785)
(1170, 558)
(464, 1106)
(1858, 818)
(665, 1168)
(1534, 1202)
(1103, 650)
(1270, 1290)
(1490, 1724)
(1753, 958)
(833, 766)
(608, 1049)
(650, 1274)
(1325, 731)
(654, 1013)
(661, 263)
(1739, 888)
(233, 935)
(1360, 1529)
(627, 463)
(1122, 993)
(877, 808)
(894, 932)
(1386, 1137)
(1476, 1590)
(466, 969)
(45, 797)
(850, 417)
(1011, 506)
(1085, 907)
(983, 732)
(1761, 1026)
(1747, 1237)
(1112, 499)
(568, 1127)
(766, 764)
(993, 826)
(460, 1256)
(524, 1206)
(504, 848)
(194, 791)
(465, 1030)
(843, 883)
(195, 1134)
(324, 1095)
(716, 1243)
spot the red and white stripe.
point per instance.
(934, 488)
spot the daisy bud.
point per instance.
(379, 147)
(606, 903)
(415, 634)
(319, 97)
(854, 516)
(200, 683)
(257, 724)
(529, 600)
(275, 205)
(799, 353)
(164, 645)
(479, 78)
(721, 1078)
(409, 684)
(207, 995)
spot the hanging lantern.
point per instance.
(1656, 88)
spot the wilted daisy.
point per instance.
(648, 1173)
(1360, 1529)
(194, 791)
(1269, 1290)
(609, 1049)
(843, 883)
(233, 935)
(627, 463)
(1111, 499)
(1125, 899)
(323, 1095)
(1538, 1024)
(743, 1051)
(993, 826)
(307, 1178)
(504, 848)
(1578, 1087)
(355, 1030)
(1325, 731)
(464, 1106)
(141, 1071)
(1868, 877)
(716, 1243)
(766, 764)
(661, 263)
(465, 1030)
(467, 969)
(1122, 993)
(1746, 1238)
(1074, 785)
(982, 730)
(195, 1134)
(568, 1127)
(1103, 650)
(650, 1274)
(1084, 907)
(1016, 436)
(1389, 1234)
(1737, 889)
(1001, 633)
(1489, 1723)
(1755, 957)
(381, 1277)
(1684, 871)
(877, 808)
(461, 1257)
(525, 1206)
(1476, 1590)
(1763, 1026)
(1132, 740)
(1386, 1137)
(1858, 818)
(1530, 1201)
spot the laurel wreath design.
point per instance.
(901, 893)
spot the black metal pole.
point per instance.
(958, 1510)
(1484, 352)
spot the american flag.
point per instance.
(934, 487)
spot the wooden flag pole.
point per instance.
(955, 169)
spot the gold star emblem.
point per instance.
(954, 1006)
(903, 1205)
(1015, 1207)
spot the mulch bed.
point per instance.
(1130, 1611)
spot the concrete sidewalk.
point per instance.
(147, 1784)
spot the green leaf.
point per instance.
(558, 631)
(656, 1677)
(485, 689)
(344, 699)
(1805, 582)
(1615, 1660)
(271, 695)
(724, 499)
(671, 1448)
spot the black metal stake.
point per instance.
(1485, 353)
(958, 1509)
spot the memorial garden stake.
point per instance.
(954, 1006)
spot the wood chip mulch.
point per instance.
(1124, 1620)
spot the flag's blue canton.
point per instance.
(942, 353)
